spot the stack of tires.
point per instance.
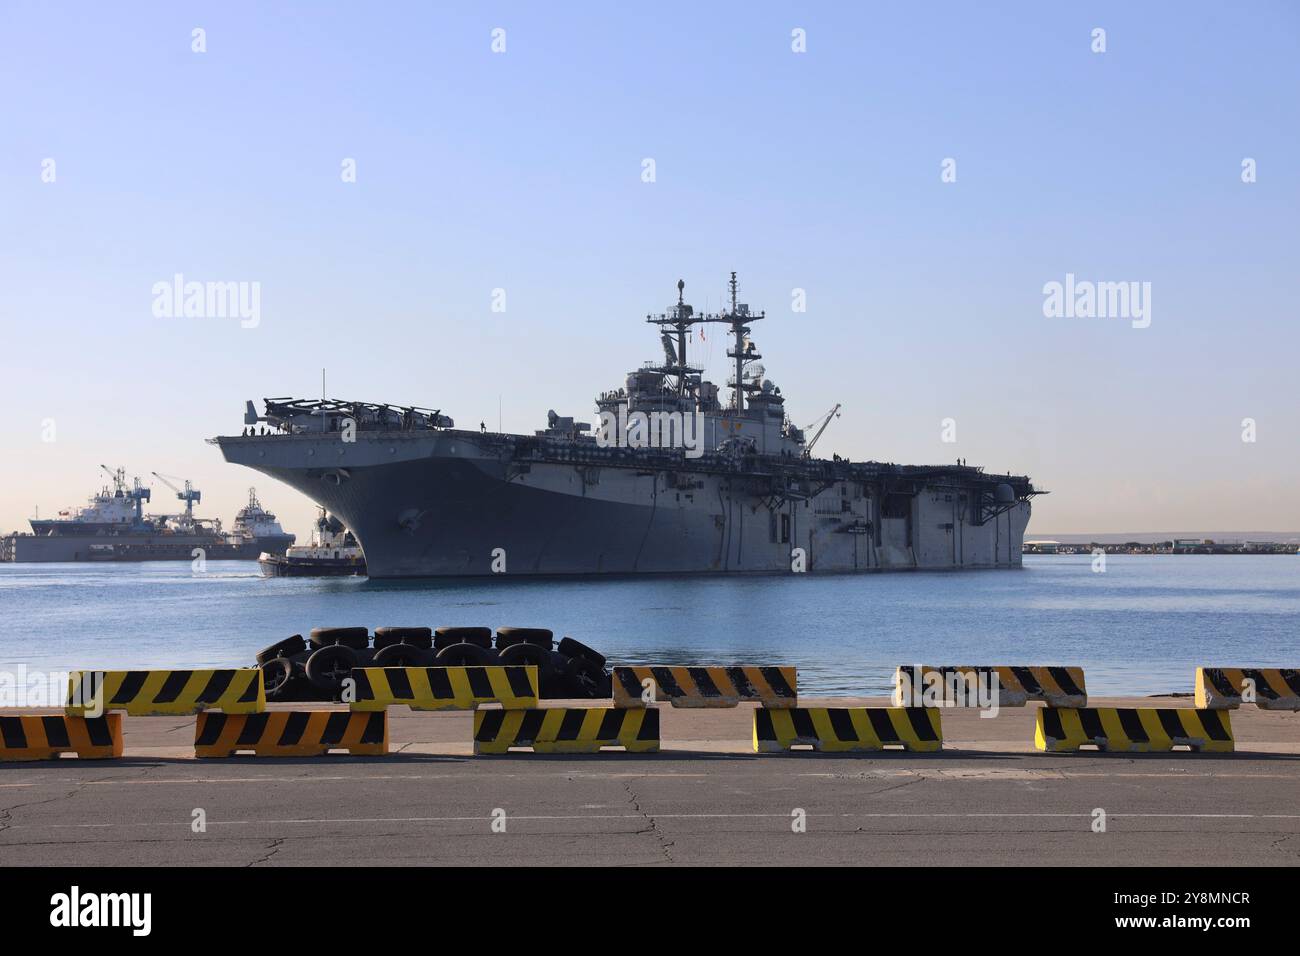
(302, 670)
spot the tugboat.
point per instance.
(333, 551)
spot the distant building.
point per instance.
(1042, 547)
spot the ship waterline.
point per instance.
(743, 495)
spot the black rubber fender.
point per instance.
(402, 655)
(447, 636)
(328, 667)
(465, 654)
(571, 648)
(537, 636)
(285, 648)
(414, 636)
(520, 654)
(277, 675)
(587, 680)
(357, 638)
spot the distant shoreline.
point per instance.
(1150, 537)
(1176, 547)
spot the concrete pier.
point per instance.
(987, 799)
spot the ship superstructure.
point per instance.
(332, 550)
(118, 507)
(255, 523)
(671, 480)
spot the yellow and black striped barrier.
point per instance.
(291, 733)
(43, 738)
(445, 688)
(567, 730)
(1269, 688)
(146, 693)
(960, 686)
(1133, 729)
(705, 686)
(838, 729)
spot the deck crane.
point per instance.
(824, 421)
(137, 492)
(119, 478)
(190, 495)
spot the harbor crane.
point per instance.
(824, 420)
(190, 495)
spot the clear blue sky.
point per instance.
(522, 171)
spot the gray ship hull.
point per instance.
(128, 547)
(451, 504)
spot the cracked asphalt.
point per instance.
(988, 799)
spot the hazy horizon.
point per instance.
(130, 158)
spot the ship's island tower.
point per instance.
(756, 413)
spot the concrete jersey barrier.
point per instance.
(167, 692)
(838, 729)
(1016, 685)
(1133, 729)
(567, 730)
(445, 688)
(714, 686)
(24, 737)
(291, 733)
(1273, 688)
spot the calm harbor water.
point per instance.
(1139, 628)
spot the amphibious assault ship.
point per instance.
(114, 527)
(673, 481)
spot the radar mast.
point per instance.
(682, 316)
(679, 319)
